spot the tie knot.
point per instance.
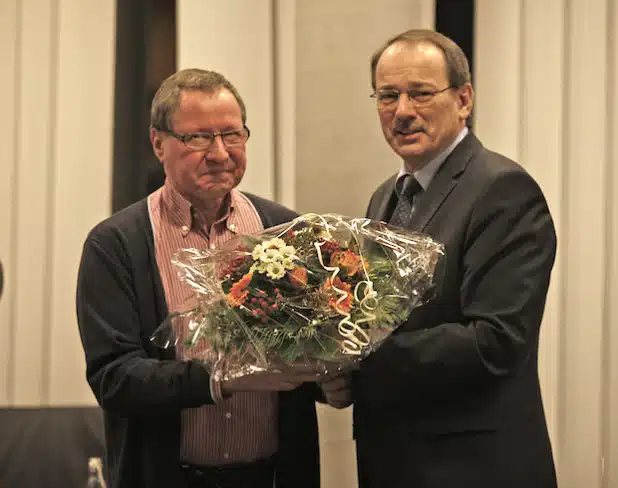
(409, 186)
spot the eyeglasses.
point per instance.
(201, 141)
(389, 98)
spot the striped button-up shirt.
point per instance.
(242, 428)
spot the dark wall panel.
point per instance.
(145, 56)
(455, 19)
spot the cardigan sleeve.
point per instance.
(124, 377)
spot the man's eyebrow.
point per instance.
(411, 86)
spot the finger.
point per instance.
(306, 378)
(305, 369)
(335, 384)
(339, 399)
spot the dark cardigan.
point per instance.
(141, 388)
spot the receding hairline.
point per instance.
(457, 65)
(210, 92)
(421, 45)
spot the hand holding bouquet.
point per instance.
(321, 291)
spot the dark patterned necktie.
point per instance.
(407, 187)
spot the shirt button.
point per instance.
(232, 227)
(185, 228)
(228, 415)
(212, 245)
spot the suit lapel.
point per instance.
(444, 182)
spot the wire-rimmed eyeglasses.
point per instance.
(387, 98)
(201, 141)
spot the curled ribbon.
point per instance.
(355, 337)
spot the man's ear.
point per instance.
(466, 100)
(157, 143)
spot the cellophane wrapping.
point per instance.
(321, 292)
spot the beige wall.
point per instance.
(341, 154)
(56, 60)
(547, 85)
(547, 95)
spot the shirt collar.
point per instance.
(427, 172)
(184, 215)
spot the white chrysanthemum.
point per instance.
(288, 263)
(260, 267)
(288, 251)
(271, 255)
(275, 242)
(257, 251)
(275, 270)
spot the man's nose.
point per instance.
(405, 106)
(217, 150)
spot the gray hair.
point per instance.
(167, 97)
(457, 67)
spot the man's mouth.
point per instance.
(407, 132)
(214, 174)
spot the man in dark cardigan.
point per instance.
(168, 423)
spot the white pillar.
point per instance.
(610, 429)
(9, 12)
(543, 74)
(54, 186)
(584, 242)
(541, 152)
(497, 74)
(285, 101)
(82, 155)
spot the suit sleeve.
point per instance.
(124, 379)
(508, 254)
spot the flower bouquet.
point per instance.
(321, 290)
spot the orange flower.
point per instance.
(244, 281)
(345, 305)
(298, 277)
(347, 260)
(238, 293)
(236, 300)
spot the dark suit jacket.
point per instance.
(452, 399)
(142, 389)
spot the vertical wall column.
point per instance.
(585, 253)
(285, 80)
(54, 186)
(10, 14)
(610, 418)
(546, 96)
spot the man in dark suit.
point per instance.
(452, 399)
